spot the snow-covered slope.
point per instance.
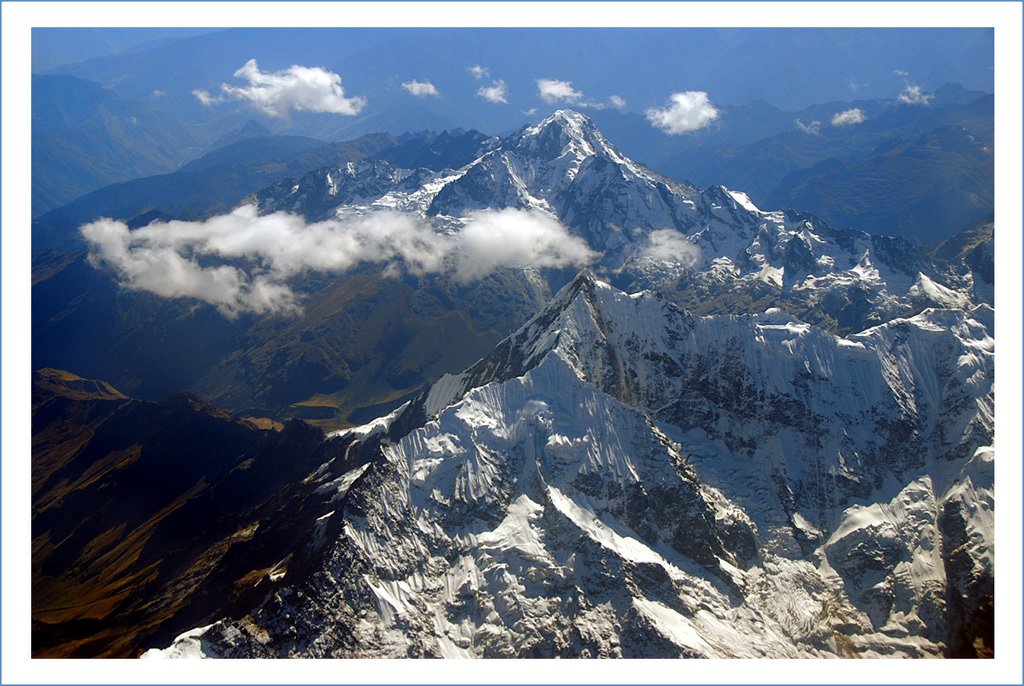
(843, 280)
(622, 478)
(321, 193)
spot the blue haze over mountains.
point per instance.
(131, 114)
(735, 66)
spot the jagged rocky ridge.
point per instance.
(736, 258)
(623, 478)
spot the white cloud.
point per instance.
(812, 129)
(616, 101)
(156, 268)
(243, 262)
(687, 111)
(496, 92)
(670, 246)
(900, 72)
(205, 98)
(530, 112)
(515, 238)
(159, 93)
(311, 89)
(913, 95)
(553, 90)
(478, 72)
(421, 89)
(849, 117)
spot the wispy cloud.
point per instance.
(159, 93)
(421, 89)
(512, 237)
(849, 117)
(855, 85)
(205, 98)
(686, 111)
(553, 90)
(242, 262)
(613, 101)
(496, 92)
(913, 95)
(311, 89)
(669, 246)
(812, 129)
(900, 72)
(478, 72)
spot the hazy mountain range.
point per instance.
(821, 74)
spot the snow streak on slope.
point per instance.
(621, 478)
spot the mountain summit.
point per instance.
(564, 165)
(566, 133)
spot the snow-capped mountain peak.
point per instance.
(566, 133)
(701, 248)
(564, 165)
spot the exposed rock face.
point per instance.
(622, 478)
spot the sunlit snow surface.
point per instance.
(187, 646)
(620, 478)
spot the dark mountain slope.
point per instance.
(151, 517)
(923, 189)
(363, 340)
